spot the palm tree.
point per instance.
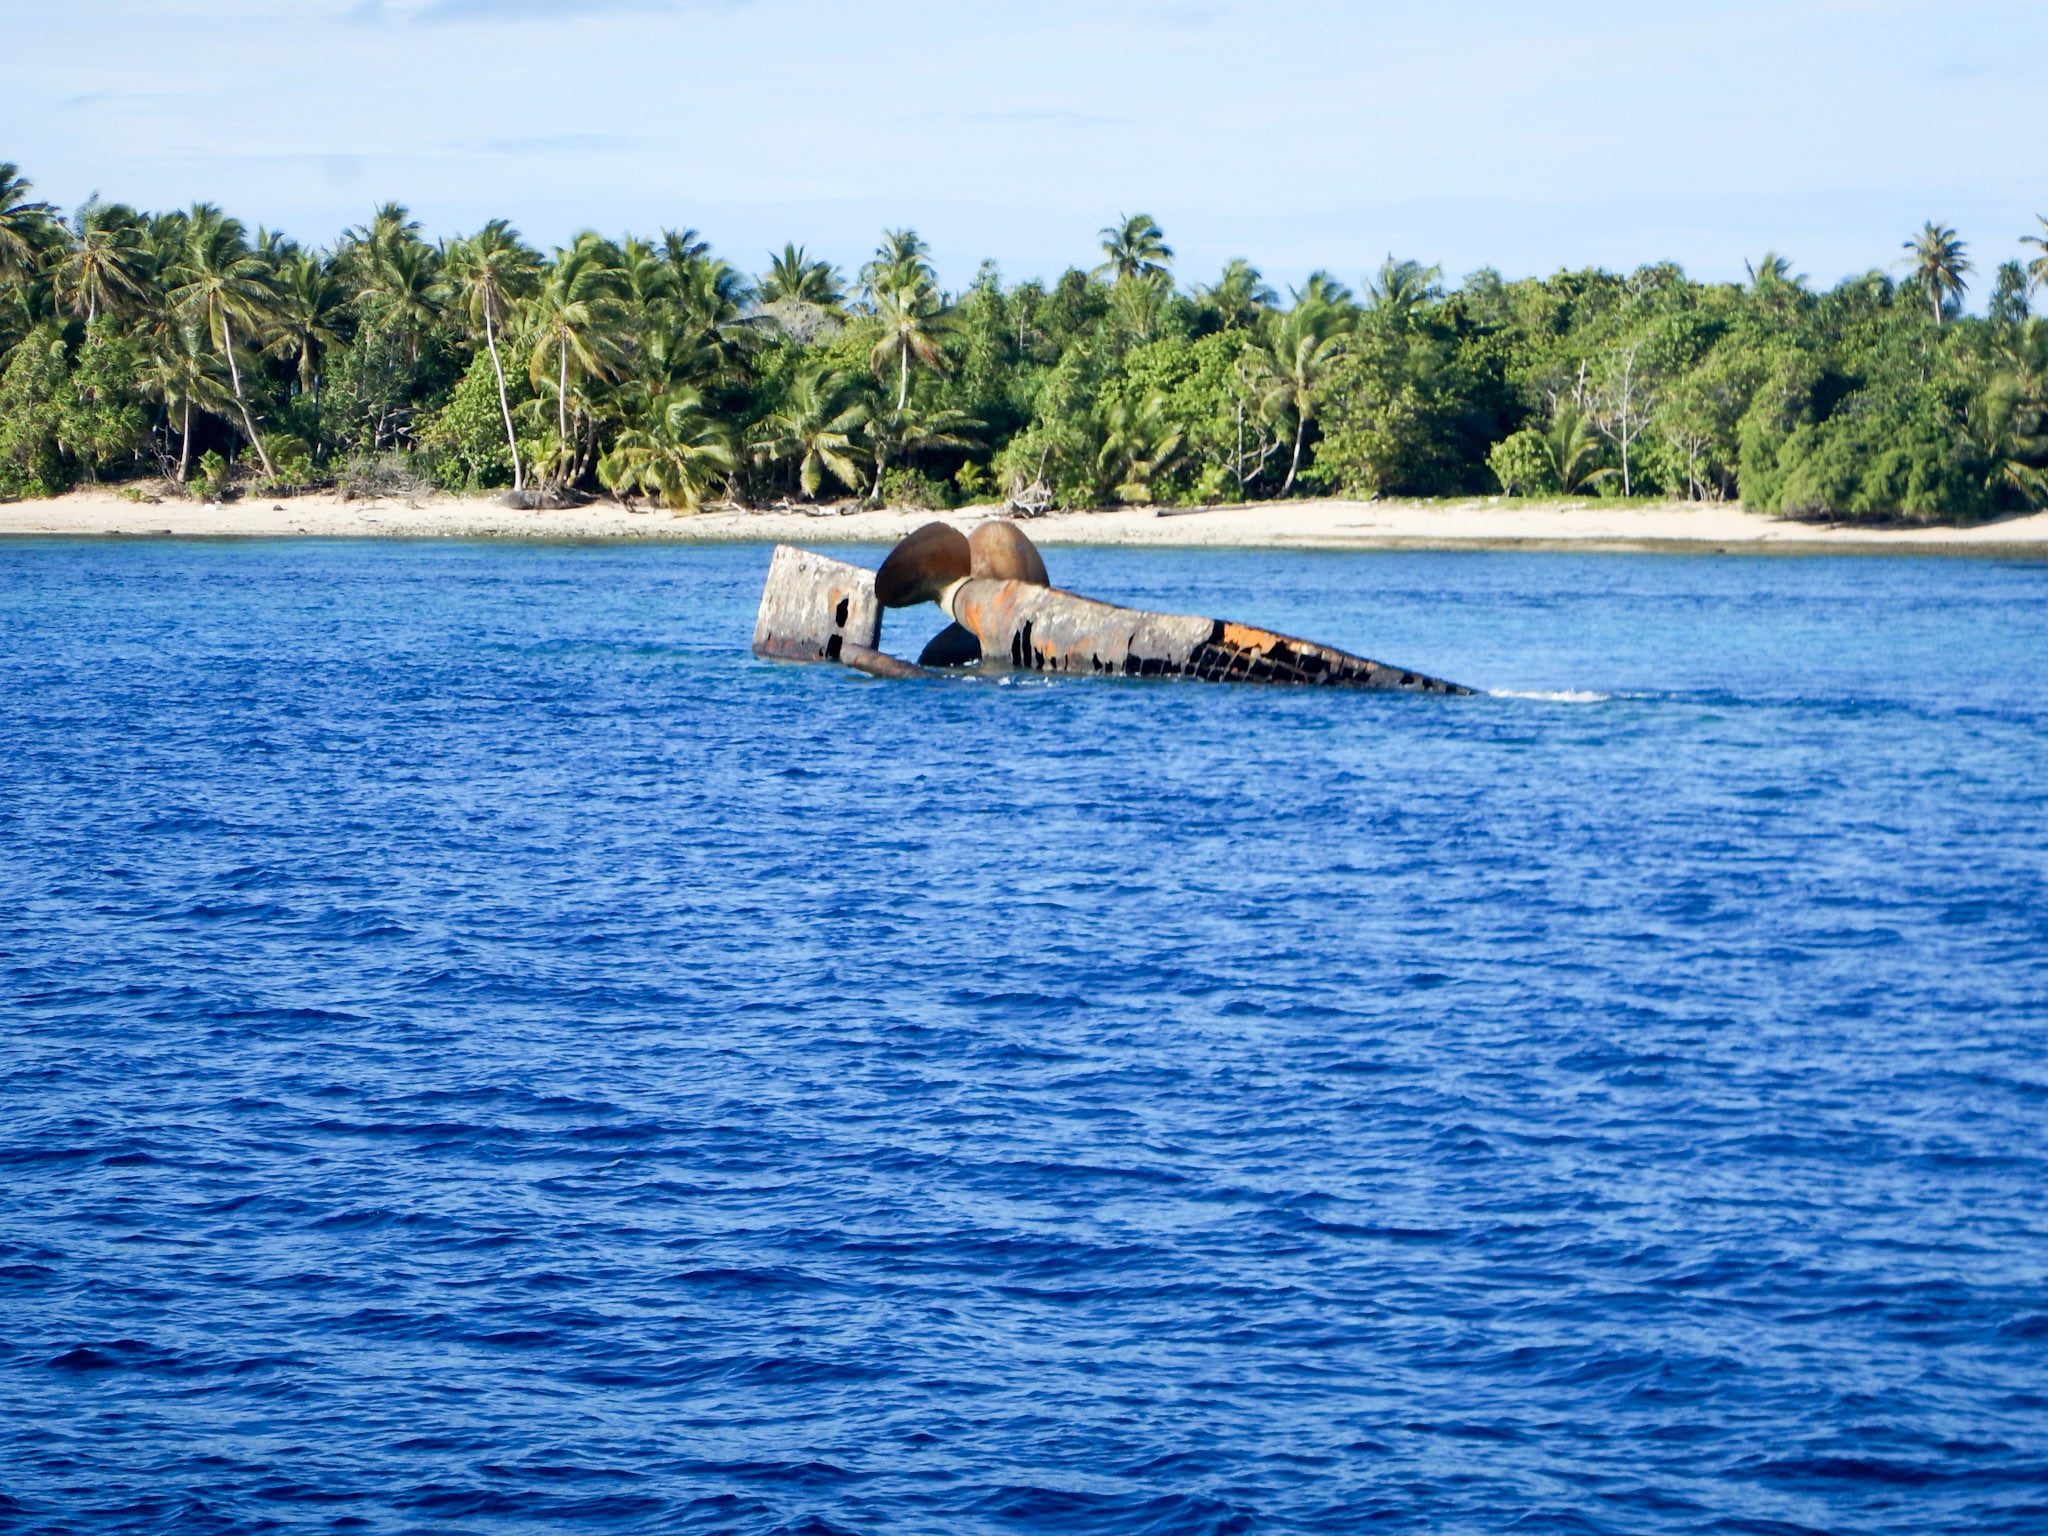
(307, 320)
(406, 285)
(1136, 247)
(24, 225)
(901, 261)
(1138, 446)
(222, 283)
(1938, 266)
(910, 328)
(793, 275)
(1400, 289)
(675, 451)
(815, 428)
(1321, 289)
(1239, 297)
(390, 227)
(492, 271)
(2037, 269)
(2009, 419)
(104, 266)
(907, 430)
(573, 322)
(681, 248)
(1573, 447)
(1772, 271)
(1295, 358)
(174, 373)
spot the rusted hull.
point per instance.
(813, 608)
(1043, 629)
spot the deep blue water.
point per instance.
(481, 1052)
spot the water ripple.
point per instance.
(483, 1052)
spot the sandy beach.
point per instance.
(1320, 524)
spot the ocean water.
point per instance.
(480, 1052)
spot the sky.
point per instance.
(1302, 134)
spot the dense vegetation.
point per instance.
(178, 345)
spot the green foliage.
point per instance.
(674, 451)
(651, 367)
(914, 488)
(102, 424)
(33, 390)
(973, 482)
(469, 428)
(213, 476)
(1888, 452)
(1522, 463)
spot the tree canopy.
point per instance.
(183, 346)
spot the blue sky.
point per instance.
(1302, 133)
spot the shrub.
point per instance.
(913, 488)
(211, 479)
(1522, 464)
(1879, 454)
(382, 474)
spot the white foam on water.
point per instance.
(1568, 696)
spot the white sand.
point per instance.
(1325, 524)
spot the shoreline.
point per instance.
(1581, 525)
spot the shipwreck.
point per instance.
(1007, 617)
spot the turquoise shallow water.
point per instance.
(481, 1052)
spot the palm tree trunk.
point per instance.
(504, 403)
(256, 441)
(185, 443)
(903, 384)
(1294, 466)
(562, 399)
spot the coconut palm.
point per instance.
(573, 324)
(406, 286)
(24, 224)
(1294, 358)
(675, 451)
(1138, 446)
(2037, 269)
(647, 281)
(491, 272)
(1400, 289)
(307, 318)
(911, 327)
(1938, 267)
(815, 429)
(390, 227)
(220, 284)
(2009, 418)
(795, 276)
(104, 266)
(1324, 291)
(1136, 248)
(1239, 297)
(1772, 273)
(906, 430)
(175, 374)
(901, 261)
(1573, 446)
